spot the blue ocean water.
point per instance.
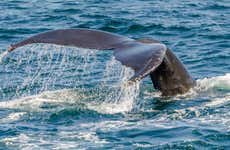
(56, 97)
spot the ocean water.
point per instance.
(56, 97)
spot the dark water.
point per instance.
(54, 97)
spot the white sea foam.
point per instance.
(12, 117)
(26, 141)
(219, 101)
(209, 87)
(216, 94)
(33, 103)
(214, 82)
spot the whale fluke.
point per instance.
(85, 38)
(145, 56)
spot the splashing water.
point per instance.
(211, 87)
(216, 87)
(53, 63)
(121, 97)
(222, 82)
(2, 56)
(43, 67)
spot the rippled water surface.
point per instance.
(56, 97)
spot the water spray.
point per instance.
(2, 55)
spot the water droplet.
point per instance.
(2, 56)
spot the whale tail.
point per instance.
(145, 57)
(171, 77)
